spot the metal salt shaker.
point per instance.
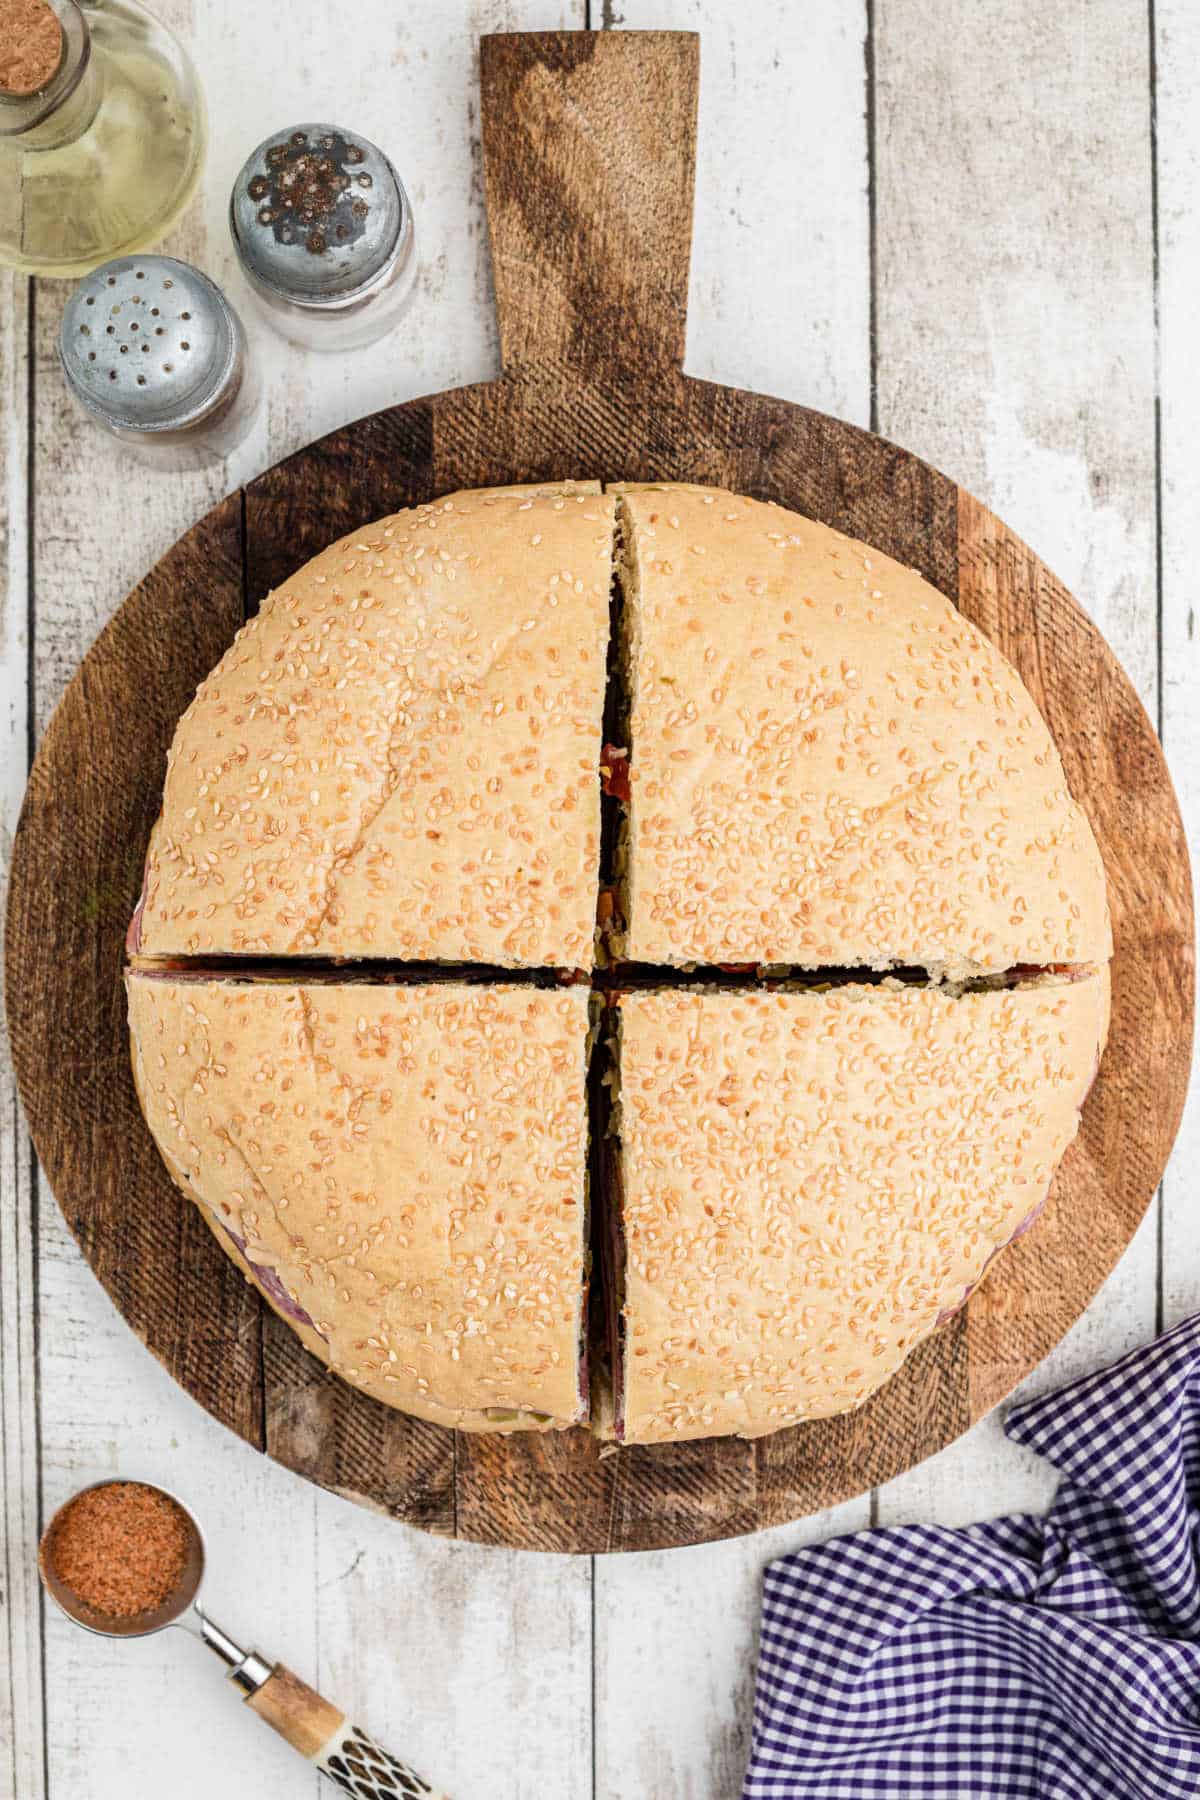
(155, 355)
(323, 230)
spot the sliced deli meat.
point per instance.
(829, 764)
(399, 755)
(812, 1181)
(400, 1170)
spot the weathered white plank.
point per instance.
(476, 1664)
(145, 1717)
(1177, 59)
(447, 1652)
(676, 1642)
(1015, 280)
(154, 1716)
(21, 1735)
(780, 301)
(780, 288)
(408, 79)
(1015, 349)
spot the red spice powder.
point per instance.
(30, 45)
(120, 1548)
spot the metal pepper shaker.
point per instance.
(155, 355)
(323, 230)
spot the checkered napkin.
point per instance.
(1056, 1658)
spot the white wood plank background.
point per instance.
(983, 240)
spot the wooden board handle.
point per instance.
(589, 158)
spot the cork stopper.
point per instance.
(31, 46)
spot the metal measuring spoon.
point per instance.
(297, 1712)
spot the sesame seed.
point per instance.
(335, 678)
(499, 1066)
(791, 811)
(903, 1135)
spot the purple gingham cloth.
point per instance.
(1052, 1658)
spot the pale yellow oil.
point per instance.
(111, 172)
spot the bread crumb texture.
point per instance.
(398, 756)
(812, 1181)
(402, 1171)
(830, 764)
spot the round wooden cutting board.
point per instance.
(589, 155)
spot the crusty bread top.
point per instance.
(409, 1163)
(812, 1180)
(398, 756)
(830, 764)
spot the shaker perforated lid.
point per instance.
(148, 343)
(317, 214)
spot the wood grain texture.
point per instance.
(297, 1712)
(620, 419)
(367, 469)
(316, 1425)
(591, 225)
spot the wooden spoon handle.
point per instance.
(326, 1737)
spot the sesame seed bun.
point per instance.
(812, 1181)
(398, 756)
(829, 763)
(400, 1170)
